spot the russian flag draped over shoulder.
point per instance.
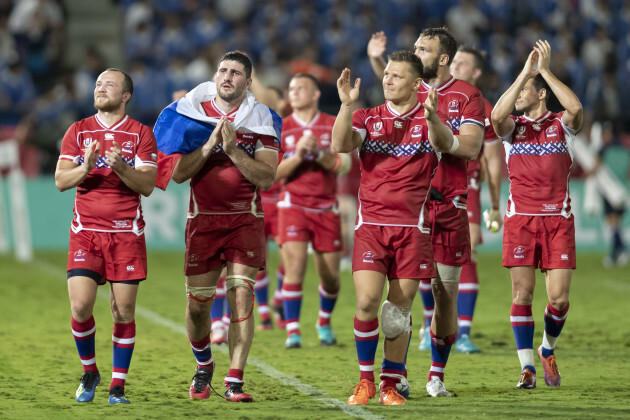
(183, 126)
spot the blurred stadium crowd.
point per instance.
(171, 44)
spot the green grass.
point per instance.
(39, 366)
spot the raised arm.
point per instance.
(501, 121)
(189, 164)
(573, 114)
(440, 136)
(68, 175)
(375, 50)
(344, 138)
(261, 170)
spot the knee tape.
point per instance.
(200, 294)
(235, 280)
(394, 320)
(447, 274)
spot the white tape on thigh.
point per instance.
(201, 292)
(235, 280)
(446, 274)
(394, 320)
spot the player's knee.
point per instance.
(394, 320)
(367, 306)
(559, 303)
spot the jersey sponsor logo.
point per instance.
(250, 253)
(564, 257)
(550, 207)
(458, 254)
(368, 257)
(292, 230)
(536, 127)
(552, 131)
(131, 268)
(79, 256)
(109, 136)
(324, 139)
(519, 252)
(398, 124)
(193, 260)
(121, 224)
(127, 147)
(416, 131)
(453, 106)
(423, 266)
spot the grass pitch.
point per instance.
(40, 369)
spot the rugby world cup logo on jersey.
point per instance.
(368, 257)
(552, 131)
(80, 255)
(324, 139)
(376, 127)
(127, 147)
(87, 142)
(453, 106)
(109, 136)
(519, 252)
(520, 131)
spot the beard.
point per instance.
(430, 71)
(229, 97)
(105, 105)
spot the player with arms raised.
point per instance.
(539, 227)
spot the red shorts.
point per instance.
(116, 256)
(271, 220)
(212, 239)
(395, 251)
(322, 229)
(449, 233)
(544, 242)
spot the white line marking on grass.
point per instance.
(265, 368)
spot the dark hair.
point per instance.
(406, 56)
(539, 82)
(478, 56)
(127, 82)
(307, 76)
(239, 57)
(448, 43)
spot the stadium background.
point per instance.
(51, 52)
(49, 58)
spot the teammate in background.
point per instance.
(225, 224)
(273, 97)
(468, 66)
(397, 145)
(539, 227)
(111, 160)
(616, 157)
(307, 207)
(462, 110)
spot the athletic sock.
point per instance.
(234, 376)
(203, 353)
(327, 300)
(554, 321)
(261, 289)
(426, 293)
(84, 333)
(123, 340)
(277, 296)
(523, 327)
(366, 334)
(391, 372)
(440, 350)
(292, 302)
(467, 297)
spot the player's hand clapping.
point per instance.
(347, 94)
(114, 158)
(430, 105)
(214, 139)
(229, 136)
(544, 55)
(91, 155)
(307, 144)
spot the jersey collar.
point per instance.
(114, 126)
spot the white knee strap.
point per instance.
(446, 274)
(235, 280)
(200, 294)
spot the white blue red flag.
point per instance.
(183, 126)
